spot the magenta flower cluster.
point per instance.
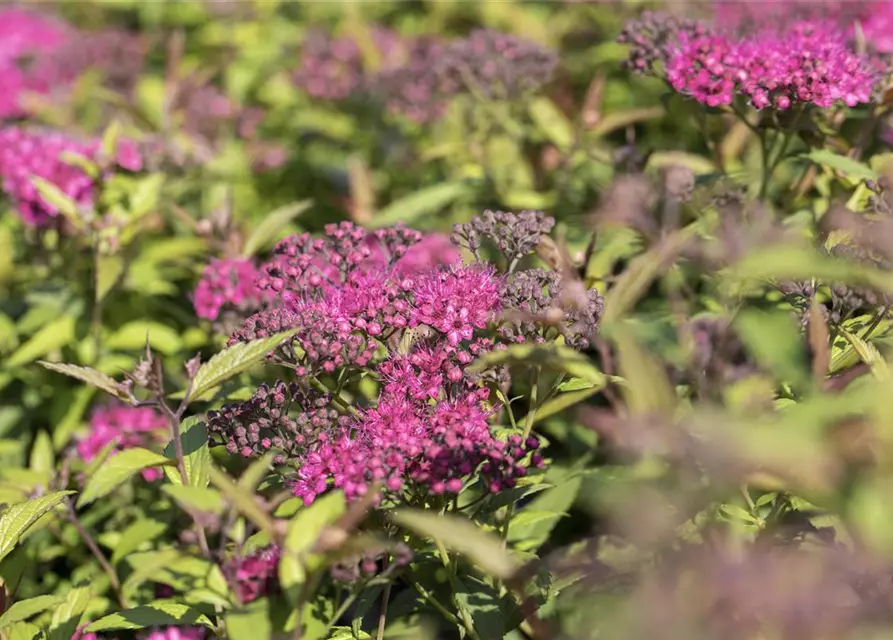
(809, 62)
(125, 426)
(24, 38)
(41, 55)
(25, 154)
(166, 633)
(226, 284)
(383, 303)
(254, 575)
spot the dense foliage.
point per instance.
(432, 320)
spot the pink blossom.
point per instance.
(25, 154)
(255, 575)
(226, 283)
(128, 427)
(455, 300)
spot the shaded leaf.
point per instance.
(136, 535)
(250, 622)
(57, 200)
(849, 167)
(196, 454)
(197, 498)
(24, 609)
(117, 470)
(418, 204)
(461, 535)
(155, 614)
(552, 356)
(267, 231)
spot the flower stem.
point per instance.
(98, 554)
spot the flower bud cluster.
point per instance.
(283, 418)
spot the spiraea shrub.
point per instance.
(523, 321)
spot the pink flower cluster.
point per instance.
(354, 298)
(429, 448)
(809, 63)
(226, 283)
(25, 153)
(24, 37)
(255, 575)
(127, 427)
(167, 633)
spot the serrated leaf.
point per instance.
(18, 518)
(85, 374)
(117, 470)
(196, 454)
(24, 609)
(250, 622)
(419, 204)
(233, 361)
(849, 167)
(55, 335)
(463, 536)
(57, 201)
(197, 498)
(67, 616)
(156, 614)
(267, 231)
(243, 500)
(42, 458)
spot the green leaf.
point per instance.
(135, 536)
(196, 454)
(549, 119)
(462, 535)
(109, 270)
(233, 361)
(42, 458)
(23, 631)
(774, 340)
(56, 199)
(133, 335)
(642, 271)
(251, 622)
(18, 518)
(267, 231)
(195, 498)
(81, 162)
(425, 202)
(85, 374)
(156, 614)
(648, 392)
(548, 355)
(302, 533)
(847, 166)
(146, 195)
(490, 613)
(559, 499)
(242, 499)
(117, 470)
(67, 616)
(24, 609)
(869, 354)
(109, 146)
(51, 337)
